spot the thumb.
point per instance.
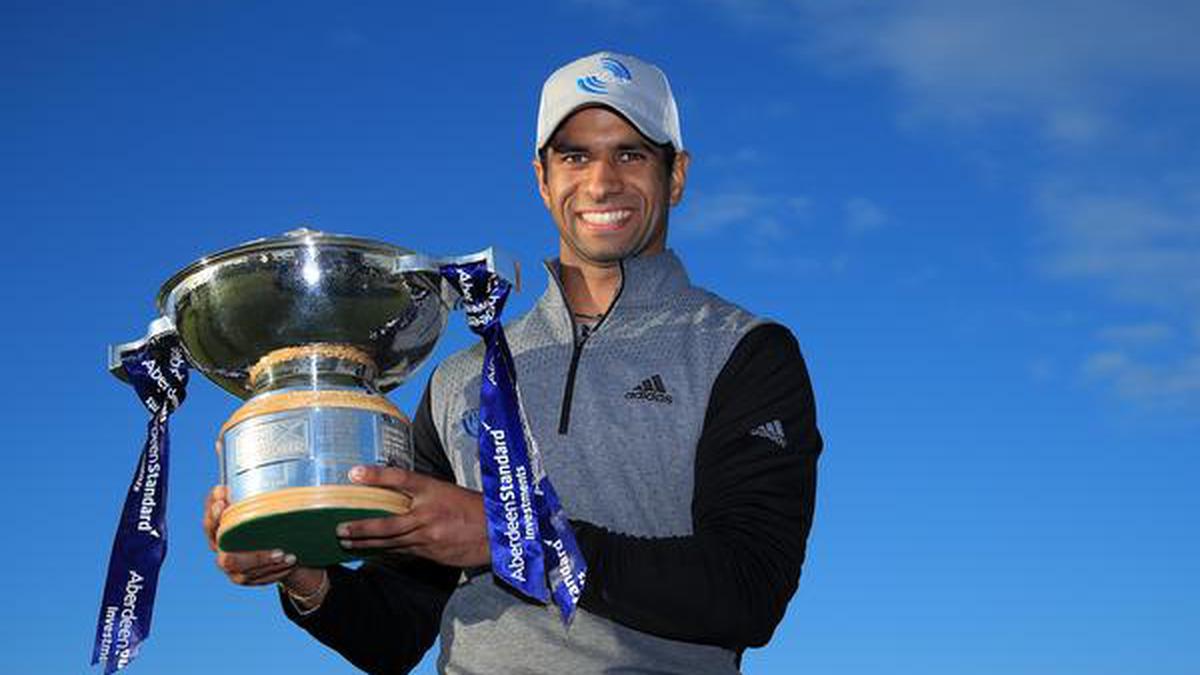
(389, 477)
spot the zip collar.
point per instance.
(645, 280)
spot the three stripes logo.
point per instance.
(651, 389)
(611, 71)
(772, 431)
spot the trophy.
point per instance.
(310, 330)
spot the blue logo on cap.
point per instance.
(611, 71)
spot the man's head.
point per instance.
(610, 160)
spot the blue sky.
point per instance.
(982, 221)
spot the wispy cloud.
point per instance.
(1068, 66)
(1142, 246)
(864, 215)
(1116, 209)
(1174, 382)
(1151, 332)
(761, 228)
(754, 215)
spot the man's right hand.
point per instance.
(257, 568)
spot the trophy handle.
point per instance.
(158, 327)
(497, 261)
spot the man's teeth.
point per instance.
(605, 217)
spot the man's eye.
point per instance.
(574, 158)
(630, 156)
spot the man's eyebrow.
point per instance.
(564, 147)
(638, 145)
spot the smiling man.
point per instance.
(678, 429)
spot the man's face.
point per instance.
(607, 189)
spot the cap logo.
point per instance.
(611, 71)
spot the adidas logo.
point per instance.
(652, 389)
(772, 431)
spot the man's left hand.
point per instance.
(446, 523)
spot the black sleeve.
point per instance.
(729, 582)
(384, 616)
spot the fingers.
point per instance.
(403, 532)
(252, 568)
(446, 523)
(379, 528)
(255, 568)
(432, 542)
(272, 578)
(416, 541)
(397, 544)
(390, 477)
(214, 504)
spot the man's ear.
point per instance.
(679, 176)
(539, 171)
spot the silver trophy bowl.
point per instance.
(235, 306)
(310, 329)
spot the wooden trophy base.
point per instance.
(303, 520)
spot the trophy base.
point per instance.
(303, 520)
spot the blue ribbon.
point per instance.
(159, 374)
(531, 542)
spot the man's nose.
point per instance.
(603, 180)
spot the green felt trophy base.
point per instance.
(303, 521)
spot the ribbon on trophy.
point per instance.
(531, 542)
(158, 371)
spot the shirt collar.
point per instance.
(644, 280)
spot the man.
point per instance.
(678, 430)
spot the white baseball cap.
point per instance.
(634, 88)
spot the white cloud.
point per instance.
(1147, 333)
(1171, 383)
(1067, 66)
(762, 229)
(750, 216)
(864, 215)
(1144, 247)
(1079, 74)
(710, 213)
(1042, 369)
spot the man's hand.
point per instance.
(446, 523)
(256, 568)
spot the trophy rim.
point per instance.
(302, 236)
(390, 258)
